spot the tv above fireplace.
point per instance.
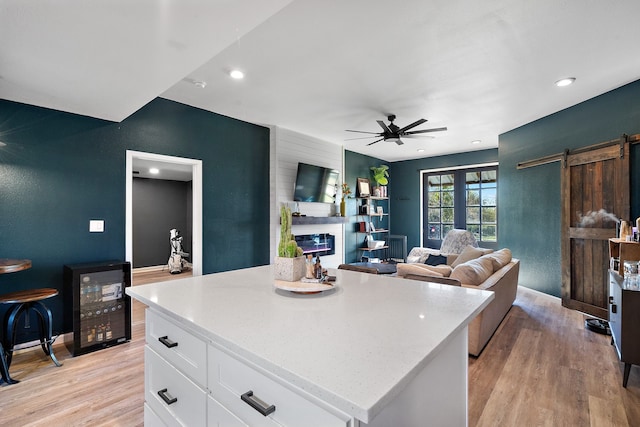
(315, 184)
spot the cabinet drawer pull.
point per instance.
(610, 300)
(168, 399)
(167, 342)
(257, 404)
(614, 308)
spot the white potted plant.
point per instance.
(289, 265)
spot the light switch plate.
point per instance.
(96, 225)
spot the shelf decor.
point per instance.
(380, 176)
(364, 189)
(346, 191)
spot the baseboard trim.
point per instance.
(36, 343)
(542, 294)
(150, 268)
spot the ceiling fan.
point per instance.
(393, 132)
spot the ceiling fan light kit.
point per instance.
(393, 133)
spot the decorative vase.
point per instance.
(376, 191)
(289, 269)
(343, 208)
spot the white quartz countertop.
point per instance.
(355, 347)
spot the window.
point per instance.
(463, 198)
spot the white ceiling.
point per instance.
(320, 67)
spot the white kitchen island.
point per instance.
(375, 350)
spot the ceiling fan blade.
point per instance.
(361, 131)
(384, 126)
(412, 125)
(362, 137)
(426, 130)
(417, 136)
(371, 143)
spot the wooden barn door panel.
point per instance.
(595, 184)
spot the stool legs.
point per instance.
(11, 316)
(4, 369)
(46, 331)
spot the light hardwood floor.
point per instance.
(540, 368)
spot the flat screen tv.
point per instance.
(315, 184)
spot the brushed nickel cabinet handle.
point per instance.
(257, 404)
(167, 342)
(168, 399)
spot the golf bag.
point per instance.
(176, 259)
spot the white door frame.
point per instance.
(196, 249)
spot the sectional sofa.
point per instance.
(473, 268)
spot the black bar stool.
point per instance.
(23, 302)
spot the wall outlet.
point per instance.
(96, 226)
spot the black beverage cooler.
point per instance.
(96, 305)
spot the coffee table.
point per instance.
(382, 267)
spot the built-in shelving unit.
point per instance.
(372, 222)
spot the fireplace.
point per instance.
(317, 244)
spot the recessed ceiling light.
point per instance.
(476, 141)
(420, 150)
(565, 82)
(200, 84)
(154, 171)
(236, 74)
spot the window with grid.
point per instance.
(464, 198)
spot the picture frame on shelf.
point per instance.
(379, 210)
(364, 187)
(365, 209)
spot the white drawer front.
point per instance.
(219, 416)
(182, 349)
(151, 419)
(190, 407)
(229, 378)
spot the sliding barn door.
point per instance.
(595, 187)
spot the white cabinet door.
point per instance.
(219, 416)
(230, 378)
(151, 419)
(185, 351)
(173, 397)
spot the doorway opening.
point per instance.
(178, 167)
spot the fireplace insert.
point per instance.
(317, 244)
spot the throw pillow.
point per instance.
(500, 258)
(418, 254)
(473, 272)
(467, 254)
(419, 269)
(436, 260)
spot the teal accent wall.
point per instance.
(529, 199)
(356, 166)
(404, 188)
(59, 170)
